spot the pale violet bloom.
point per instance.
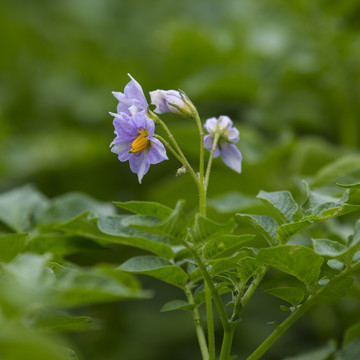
(132, 100)
(135, 142)
(172, 101)
(228, 136)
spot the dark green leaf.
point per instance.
(293, 295)
(11, 245)
(293, 260)
(352, 333)
(156, 267)
(322, 353)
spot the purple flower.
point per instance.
(135, 142)
(132, 100)
(225, 147)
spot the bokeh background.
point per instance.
(286, 72)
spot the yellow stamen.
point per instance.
(139, 144)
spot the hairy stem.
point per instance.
(210, 323)
(198, 328)
(209, 164)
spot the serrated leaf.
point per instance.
(146, 208)
(266, 225)
(293, 295)
(156, 267)
(11, 245)
(177, 305)
(108, 230)
(293, 260)
(65, 207)
(18, 207)
(329, 248)
(282, 202)
(224, 246)
(352, 333)
(205, 229)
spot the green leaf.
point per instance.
(160, 211)
(233, 202)
(352, 333)
(177, 305)
(108, 230)
(156, 267)
(351, 351)
(337, 289)
(266, 225)
(282, 202)
(17, 207)
(246, 267)
(350, 186)
(330, 248)
(11, 245)
(224, 246)
(204, 229)
(293, 295)
(46, 321)
(64, 208)
(293, 260)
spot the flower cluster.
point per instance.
(136, 142)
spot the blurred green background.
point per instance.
(286, 72)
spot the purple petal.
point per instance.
(163, 98)
(224, 121)
(157, 152)
(133, 90)
(138, 164)
(122, 149)
(208, 143)
(231, 156)
(124, 130)
(232, 134)
(210, 124)
(150, 126)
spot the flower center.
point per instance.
(140, 143)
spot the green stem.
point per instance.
(227, 342)
(180, 158)
(210, 323)
(254, 284)
(202, 192)
(198, 328)
(301, 310)
(209, 164)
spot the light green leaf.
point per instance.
(17, 207)
(65, 207)
(352, 333)
(46, 321)
(156, 267)
(282, 202)
(337, 171)
(224, 246)
(146, 208)
(293, 260)
(177, 305)
(204, 229)
(350, 186)
(108, 230)
(293, 295)
(266, 225)
(327, 247)
(11, 245)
